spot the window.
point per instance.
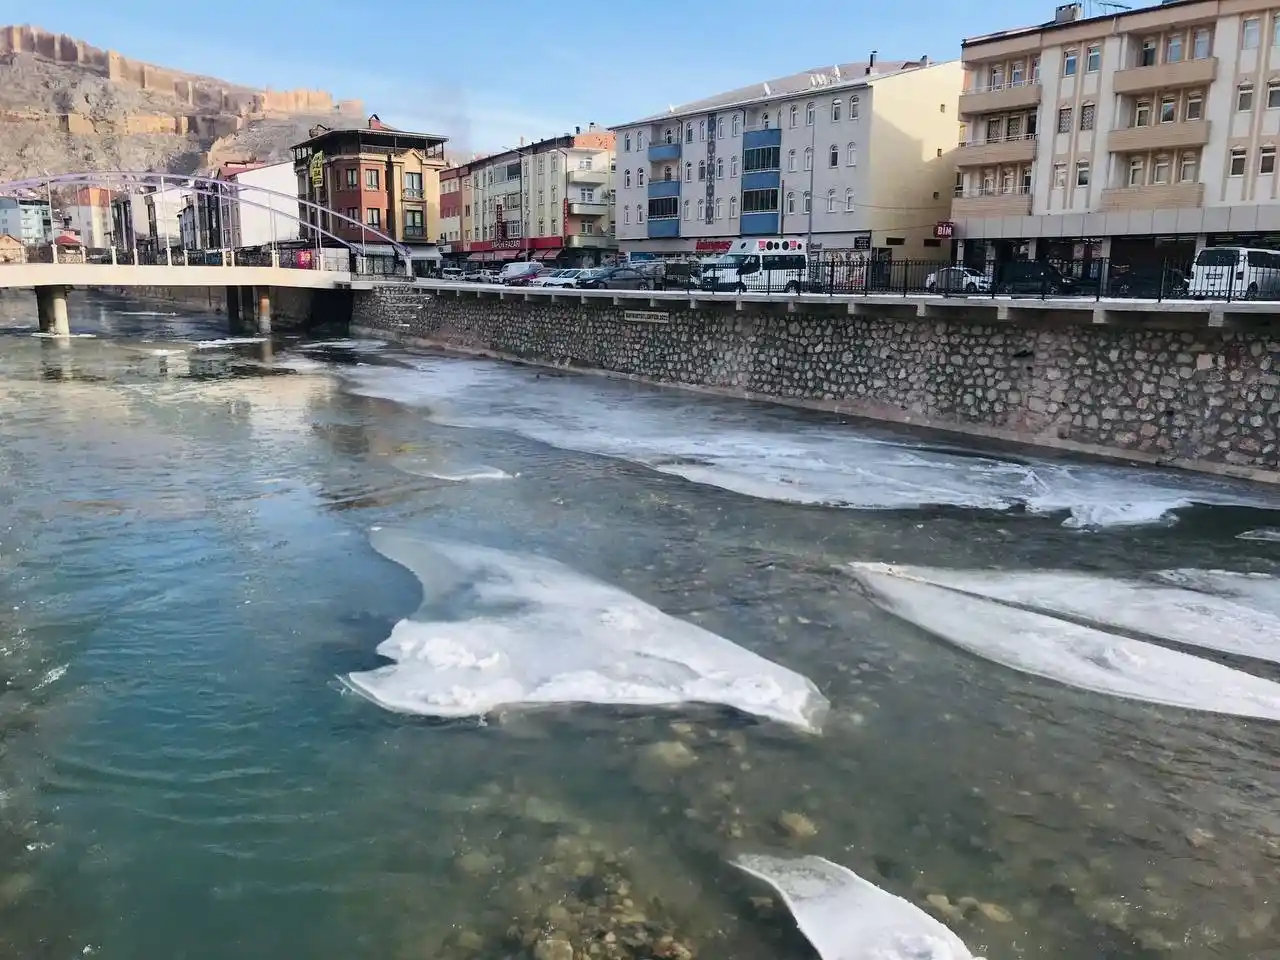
(541, 198)
(791, 161)
(626, 143)
(1237, 162)
(1193, 107)
(1189, 168)
(1006, 181)
(831, 200)
(848, 200)
(764, 119)
(353, 177)
(542, 165)
(791, 201)
(995, 129)
(1168, 108)
(1064, 120)
(720, 168)
(720, 129)
(639, 183)
(806, 203)
(1249, 33)
(988, 183)
(373, 216)
(1267, 160)
(719, 208)
(1147, 56)
(1069, 63)
(1013, 130)
(687, 212)
(353, 213)
(733, 208)
(760, 201)
(371, 179)
(853, 108)
(1173, 48)
(1082, 173)
(733, 165)
(763, 158)
(808, 114)
(1059, 174)
(702, 129)
(664, 208)
(1086, 116)
(701, 210)
(851, 154)
(667, 173)
(835, 111)
(702, 170)
(1273, 94)
(1142, 113)
(626, 178)
(688, 171)
(1093, 58)
(1200, 43)
(1244, 97)
(833, 156)
(995, 77)
(793, 115)
(542, 224)
(737, 124)
(639, 146)
(688, 133)
(1160, 170)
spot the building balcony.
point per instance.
(596, 177)
(413, 232)
(410, 193)
(762, 180)
(758, 224)
(997, 99)
(1166, 76)
(1159, 136)
(663, 188)
(664, 151)
(664, 227)
(1156, 196)
(980, 203)
(585, 209)
(770, 137)
(595, 241)
(1017, 149)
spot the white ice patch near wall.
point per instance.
(1079, 656)
(507, 630)
(1212, 619)
(759, 452)
(848, 918)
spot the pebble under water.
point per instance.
(187, 580)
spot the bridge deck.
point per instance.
(26, 275)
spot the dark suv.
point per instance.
(1034, 276)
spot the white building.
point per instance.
(1138, 136)
(252, 218)
(858, 157)
(88, 214)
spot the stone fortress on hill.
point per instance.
(201, 106)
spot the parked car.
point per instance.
(957, 280)
(452, 274)
(1235, 272)
(523, 270)
(565, 278)
(1035, 277)
(1146, 280)
(616, 278)
(527, 277)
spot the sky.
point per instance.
(486, 73)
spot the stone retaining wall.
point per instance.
(1203, 398)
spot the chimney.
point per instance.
(522, 141)
(871, 64)
(591, 125)
(577, 130)
(924, 61)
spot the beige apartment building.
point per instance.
(1139, 136)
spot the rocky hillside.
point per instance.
(67, 106)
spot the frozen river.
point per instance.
(1032, 696)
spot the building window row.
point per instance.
(761, 158)
(1239, 160)
(1000, 181)
(1168, 107)
(1158, 169)
(1002, 127)
(1245, 98)
(1092, 60)
(1060, 174)
(1014, 73)
(1251, 31)
(1195, 44)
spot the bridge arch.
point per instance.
(208, 186)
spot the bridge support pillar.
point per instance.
(264, 310)
(51, 308)
(233, 307)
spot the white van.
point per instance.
(519, 268)
(769, 265)
(1222, 273)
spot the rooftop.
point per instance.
(375, 132)
(1062, 24)
(839, 76)
(565, 141)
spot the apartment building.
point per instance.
(1140, 136)
(27, 220)
(857, 157)
(87, 212)
(376, 175)
(550, 200)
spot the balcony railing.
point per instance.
(1011, 138)
(413, 193)
(1017, 148)
(1007, 95)
(1021, 189)
(412, 232)
(989, 86)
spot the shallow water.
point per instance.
(187, 573)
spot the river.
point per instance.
(191, 594)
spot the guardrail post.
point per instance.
(114, 258)
(53, 250)
(275, 258)
(232, 253)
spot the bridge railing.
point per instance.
(304, 258)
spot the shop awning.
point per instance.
(546, 254)
(505, 254)
(477, 258)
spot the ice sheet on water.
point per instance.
(1069, 653)
(1159, 607)
(227, 342)
(1256, 589)
(433, 470)
(352, 345)
(756, 452)
(848, 918)
(500, 629)
(1268, 534)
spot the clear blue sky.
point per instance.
(487, 72)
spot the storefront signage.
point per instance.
(713, 246)
(943, 229)
(863, 242)
(316, 168)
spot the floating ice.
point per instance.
(1076, 655)
(761, 452)
(499, 629)
(1190, 614)
(432, 471)
(1269, 534)
(352, 345)
(46, 335)
(228, 342)
(848, 918)
(1258, 590)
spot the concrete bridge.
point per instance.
(248, 286)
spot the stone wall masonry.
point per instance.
(1199, 398)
